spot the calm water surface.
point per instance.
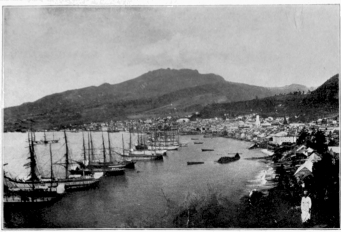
(137, 195)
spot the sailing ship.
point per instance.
(141, 154)
(90, 166)
(71, 182)
(33, 190)
(164, 141)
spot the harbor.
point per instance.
(166, 116)
(137, 195)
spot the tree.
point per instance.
(302, 137)
(320, 142)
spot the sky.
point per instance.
(48, 50)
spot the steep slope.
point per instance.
(327, 94)
(303, 107)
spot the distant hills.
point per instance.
(155, 93)
(322, 102)
(289, 88)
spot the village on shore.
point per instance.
(264, 132)
(305, 156)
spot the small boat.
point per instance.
(253, 146)
(183, 144)
(112, 171)
(103, 165)
(207, 149)
(194, 138)
(227, 159)
(109, 171)
(147, 152)
(136, 157)
(163, 148)
(193, 163)
(198, 142)
(128, 163)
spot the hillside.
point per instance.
(155, 93)
(289, 88)
(321, 102)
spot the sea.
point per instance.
(140, 194)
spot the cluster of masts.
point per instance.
(43, 141)
(37, 189)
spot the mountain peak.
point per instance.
(172, 72)
(182, 78)
(105, 85)
(149, 94)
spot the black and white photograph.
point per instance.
(166, 116)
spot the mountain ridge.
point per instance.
(149, 92)
(321, 102)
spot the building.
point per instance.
(283, 139)
(182, 120)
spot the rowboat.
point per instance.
(193, 163)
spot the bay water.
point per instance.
(138, 195)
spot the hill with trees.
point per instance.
(155, 93)
(322, 102)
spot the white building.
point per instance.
(257, 121)
(284, 139)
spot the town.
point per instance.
(261, 131)
(163, 116)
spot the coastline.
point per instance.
(274, 204)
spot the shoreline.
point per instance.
(276, 203)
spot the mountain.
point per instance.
(325, 95)
(322, 102)
(155, 93)
(289, 88)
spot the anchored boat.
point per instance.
(226, 159)
(70, 182)
(33, 190)
(193, 163)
